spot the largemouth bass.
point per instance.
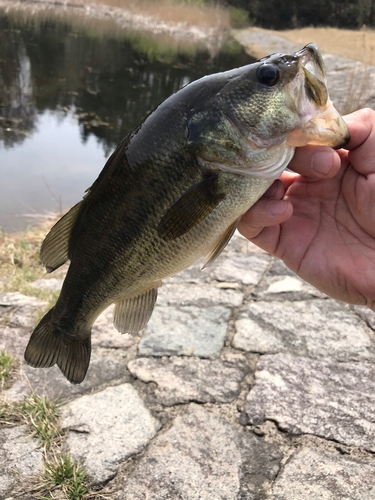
(173, 191)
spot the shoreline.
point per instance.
(123, 17)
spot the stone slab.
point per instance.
(106, 428)
(313, 475)
(104, 334)
(185, 331)
(14, 340)
(366, 314)
(247, 269)
(203, 457)
(19, 458)
(24, 309)
(204, 295)
(54, 284)
(308, 328)
(180, 380)
(103, 368)
(322, 397)
(286, 288)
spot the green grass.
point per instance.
(39, 413)
(70, 476)
(239, 18)
(7, 363)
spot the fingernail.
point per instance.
(322, 162)
(277, 207)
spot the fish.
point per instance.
(174, 191)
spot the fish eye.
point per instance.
(268, 74)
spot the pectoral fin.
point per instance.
(221, 244)
(132, 314)
(193, 206)
(54, 251)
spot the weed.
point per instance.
(6, 365)
(19, 258)
(67, 474)
(39, 413)
(239, 18)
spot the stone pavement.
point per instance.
(247, 384)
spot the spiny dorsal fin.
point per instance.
(221, 244)
(132, 314)
(54, 251)
(193, 206)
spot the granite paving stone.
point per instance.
(48, 284)
(180, 380)
(247, 269)
(309, 328)
(204, 295)
(308, 396)
(24, 309)
(103, 368)
(366, 314)
(314, 475)
(203, 457)
(286, 288)
(104, 334)
(20, 458)
(14, 340)
(193, 274)
(185, 331)
(106, 428)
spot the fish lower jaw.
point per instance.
(323, 128)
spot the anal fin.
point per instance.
(221, 244)
(54, 250)
(132, 314)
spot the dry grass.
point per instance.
(196, 14)
(19, 258)
(358, 45)
(8, 365)
(20, 264)
(40, 414)
(189, 13)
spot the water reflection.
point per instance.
(53, 72)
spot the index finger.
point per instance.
(361, 146)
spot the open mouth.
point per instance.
(322, 125)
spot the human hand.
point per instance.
(321, 222)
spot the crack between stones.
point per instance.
(341, 450)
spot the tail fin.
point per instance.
(47, 347)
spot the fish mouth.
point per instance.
(321, 123)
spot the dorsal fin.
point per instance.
(54, 250)
(132, 314)
(221, 244)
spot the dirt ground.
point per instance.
(358, 45)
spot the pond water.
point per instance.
(69, 92)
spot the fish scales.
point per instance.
(172, 193)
